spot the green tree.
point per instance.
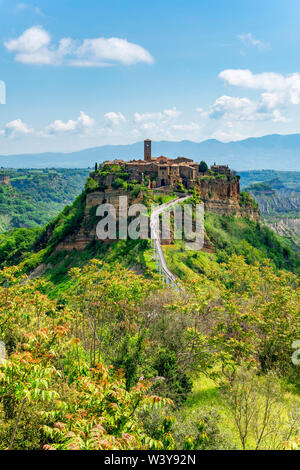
(203, 167)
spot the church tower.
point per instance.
(147, 150)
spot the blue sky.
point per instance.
(85, 73)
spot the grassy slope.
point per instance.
(232, 236)
(206, 394)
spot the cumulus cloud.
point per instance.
(32, 47)
(114, 118)
(16, 128)
(35, 47)
(249, 40)
(172, 113)
(32, 40)
(279, 89)
(102, 52)
(158, 124)
(82, 124)
(242, 109)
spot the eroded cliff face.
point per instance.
(280, 210)
(277, 202)
(222, 197)
(86, 233)
(286, 227)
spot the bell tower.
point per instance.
(147, 150)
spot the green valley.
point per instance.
(31, 198)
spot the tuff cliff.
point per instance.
(85, 233)
(220, 195)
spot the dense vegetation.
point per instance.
(111, 359)
(34, 197)
(234, 325)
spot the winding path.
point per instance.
(161, 264)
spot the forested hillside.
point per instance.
(33, 197)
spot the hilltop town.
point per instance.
(159, 172)
(218, 187)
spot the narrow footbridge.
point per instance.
(158, 254)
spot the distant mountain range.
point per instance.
(278, 152)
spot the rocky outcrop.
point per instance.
(286, 227)
(281, 201)
(222, 196)
(87, 230)
(279, 207)
(232, 208)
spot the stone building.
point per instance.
(162, 171)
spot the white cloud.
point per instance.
(16, 128)
(82, 124)
(149, 126)
(280, 89)
(165, 115)
(115, 118)
(172, 113)
(32, 40)
(101, 51)
(242, 109)
(157, 125)
(138, 117)
(34, 47)
(249, 40)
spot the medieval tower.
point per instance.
(147, 150)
